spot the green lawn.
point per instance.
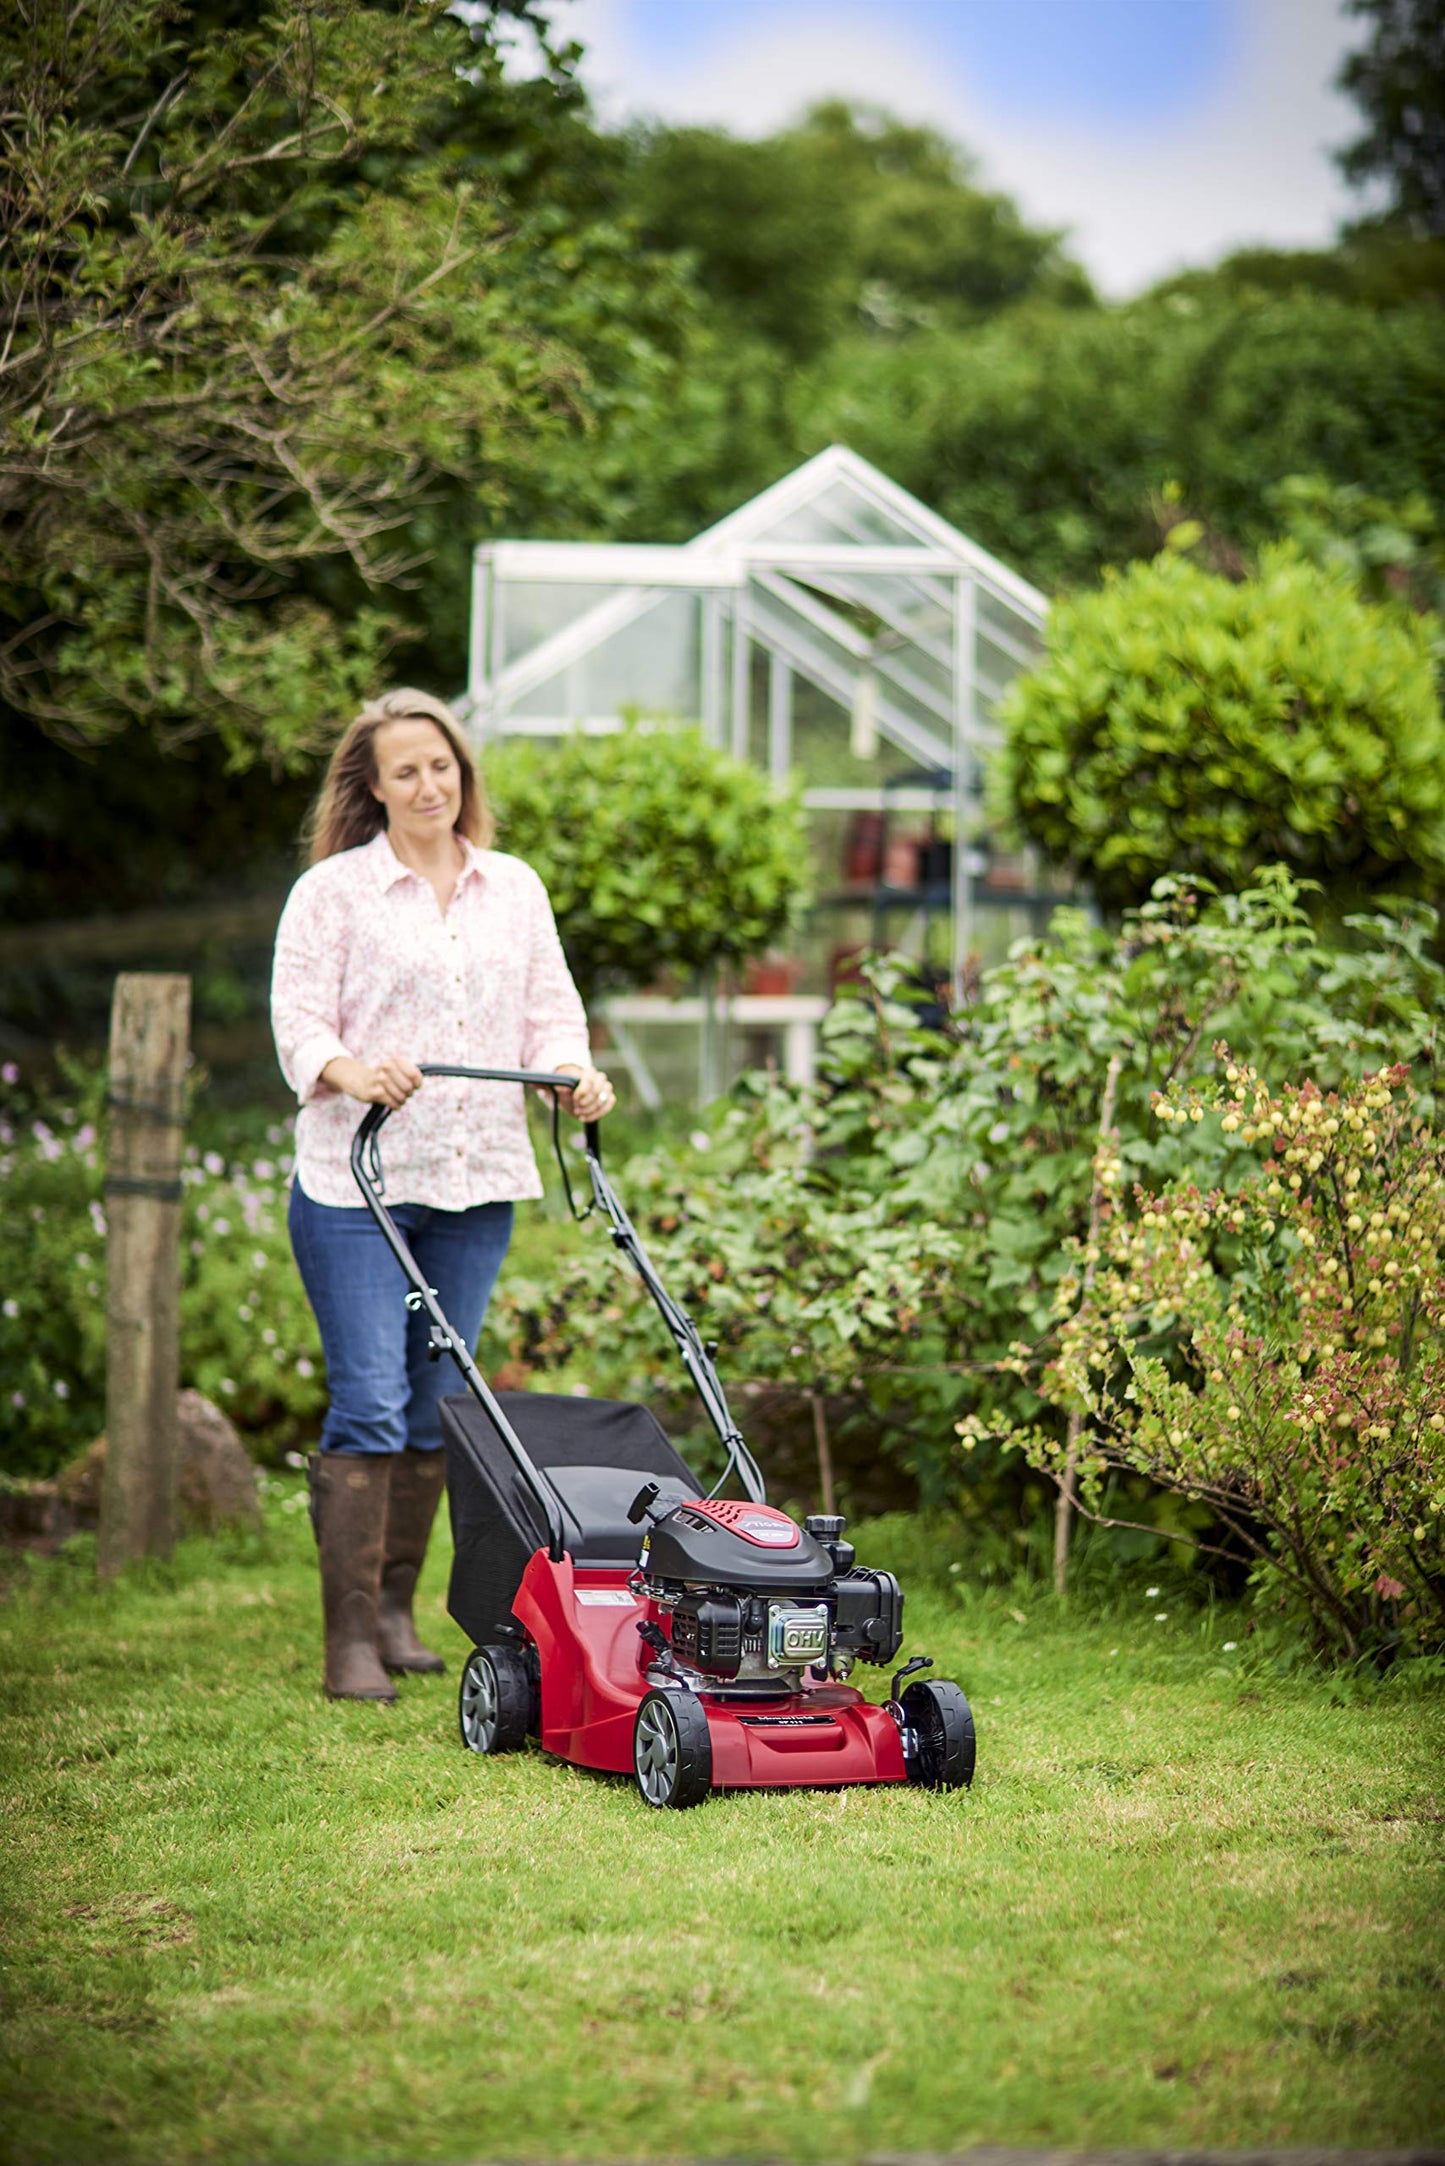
(1184, 1904)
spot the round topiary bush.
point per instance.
(1185, 723)
(659, 852)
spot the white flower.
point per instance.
(295, 1459)
(61, 1388)
(304, 1367)
(259, 1259)
(264, 1170)
(222, 1226)
(700, 1139)
(226, 1385)
(214, 1164)
(1161, 1616)
(244, 1313)
(1229, 1646)
(1000, 1132)
(1151, 1594)
(268, 1337)
(12, 1307)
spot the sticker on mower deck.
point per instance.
(604, 1597)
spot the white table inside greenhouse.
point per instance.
(795, 1015)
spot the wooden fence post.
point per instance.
(149, 1041)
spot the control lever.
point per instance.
(641, 1505)
(919, 1662)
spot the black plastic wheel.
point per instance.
(672, 1750)
(494, 1710)
(942, 1721)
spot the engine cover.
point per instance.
(707, 1633)
(868, 1615)
(692, 1546)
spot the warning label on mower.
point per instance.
(604, 1597)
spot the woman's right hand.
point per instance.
(388, 1081)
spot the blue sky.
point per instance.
(1160, 132)
(1108, 59)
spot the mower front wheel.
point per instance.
(941, 1721)
(672, 1750)
(494, 1711)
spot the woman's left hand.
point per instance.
(591, 1096)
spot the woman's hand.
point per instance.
(591, 1095)
(388, 1081)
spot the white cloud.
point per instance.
(1250, 164)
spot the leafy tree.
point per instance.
(261, 319)
(659, 853)
(1185, 723)
(1372, 267)
(851, 217)
(1050, 435)
(1398, 80)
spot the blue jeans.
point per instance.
(384, 1391)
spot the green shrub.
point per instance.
(973, 1147)
(248, 1338)
(1275, 1348)
(659, 853)
(1183, 723)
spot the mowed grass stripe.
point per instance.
(1184, 1904)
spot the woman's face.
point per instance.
(418, 780)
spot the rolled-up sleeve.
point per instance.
(306, 982)
(554, 1019)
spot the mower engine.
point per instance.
(755, 1600)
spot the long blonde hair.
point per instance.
(346, 813)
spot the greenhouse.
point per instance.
(838, 633)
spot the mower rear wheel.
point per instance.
(672, 1750)
(942, 1721)
(494, 1710)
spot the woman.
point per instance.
(408, 940)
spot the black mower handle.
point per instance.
(366, 1166)
(695, 1354)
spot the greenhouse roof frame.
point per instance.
(836, 574)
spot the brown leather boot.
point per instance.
(417, 1481)
(349, 1492)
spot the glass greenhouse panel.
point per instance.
(631, 650)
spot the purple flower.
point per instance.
(97, 1219)
(10, 1074)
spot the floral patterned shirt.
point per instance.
(366, 964)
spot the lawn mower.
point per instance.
(633, 1622)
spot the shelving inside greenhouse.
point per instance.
(835, 631)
